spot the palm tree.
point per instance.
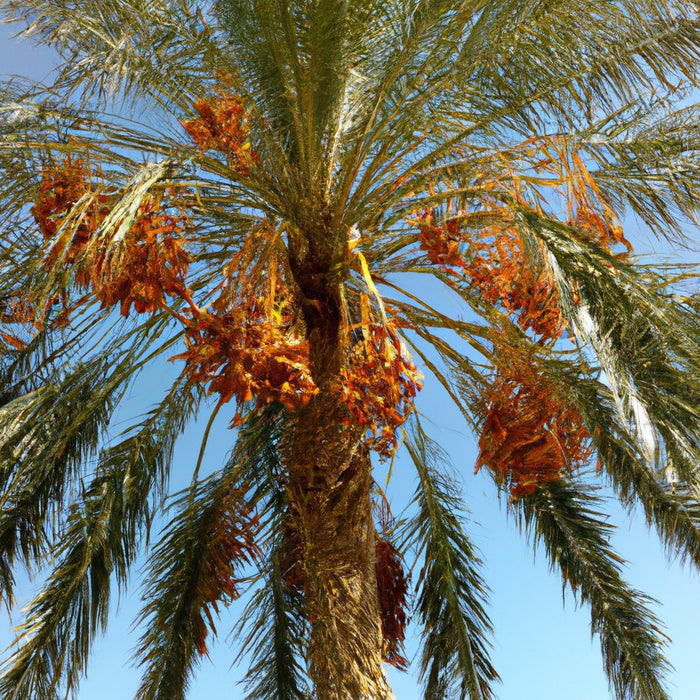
(266, 192)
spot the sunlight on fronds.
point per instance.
(306, 207)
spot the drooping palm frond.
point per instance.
(181, 600)
(563, 518)
(49, 434)
(669, 504)
(645, 339)
(276, 638)
(649, 164)
(196, 567)
(103, 535)
(118, 49)
(451, 592)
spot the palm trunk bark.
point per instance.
(329, 489)
(333, 519)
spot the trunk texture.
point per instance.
(337, 544)
(329, 483)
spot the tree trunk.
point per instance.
(329, 482)
(329, 490)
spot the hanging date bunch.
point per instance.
(392, 584)
(21, 316)
(392, 590)
(379, 385)
(62, 187)
(588, 210)
(493, 262)
(530, 434)
(441, 243)
(230, 540)
(246, 347)
(223, 125)
(498, 269)
(244, 357)
(149, 265)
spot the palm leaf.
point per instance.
(563, 519)
(451, 593)
(195, 567)
(104, 532)
(276, 638)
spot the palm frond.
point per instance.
(196, 567)
(49, 435)
(276, 638)
(644, 338)
(103, 533)
(670, 505)
(117, 48)
(563, 518)
(451, 593)
(648, 161)
(273, 628)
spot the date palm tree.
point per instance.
(267, 193)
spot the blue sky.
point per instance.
(542, 649)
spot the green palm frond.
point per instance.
(648, 162)
(272, 629)
(669, 504)
(450, 603)
(73, 607)
(563, 518)
(102, 536)
(205, 557)
(49, 434)
(276, 638)
(196, 567)
(117, 49)
(645, 338)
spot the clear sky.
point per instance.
(542, 649)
